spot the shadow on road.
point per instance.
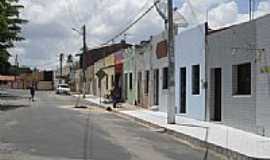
(11, 107)
(12, 102)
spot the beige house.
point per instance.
(109, 69)
(90, 83)
(100, 83)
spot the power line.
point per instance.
(132, 24)
(140, 10)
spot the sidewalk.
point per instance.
(228, 138)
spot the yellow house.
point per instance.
(109, 69)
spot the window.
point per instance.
(130, 81)
(196, 79)
(165, 78)
(146, 85)
(242, 79)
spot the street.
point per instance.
(50, 129)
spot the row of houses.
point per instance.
(42, 80)
(220, 75)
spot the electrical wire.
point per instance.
(140, 10)
(132, 24)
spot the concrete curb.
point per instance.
(194, 142)
(187, 139)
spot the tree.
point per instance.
(10, 30)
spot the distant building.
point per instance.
(42, 80)
(7, 81)
(108, 59)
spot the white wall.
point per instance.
(159, 64)
(228, 47)
(190, 50)
(263, 78)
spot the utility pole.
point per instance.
(251, 9)
(61, 65)
(170, 45)
(16, 69)
(84, 59)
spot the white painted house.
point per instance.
(190, 72)
(159, 72)
(238, 71)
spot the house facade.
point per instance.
(100, 82)
(159, 73)
(143, 70)
(145, 79)
(90, 83)
(129, 76)
(109, 69)
(263, 75)
(238, 76)
(190, 97)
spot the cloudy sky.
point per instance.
(49, 31)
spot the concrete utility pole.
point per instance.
(61, 64)
(250, 10)
(171, 103)
(83, 59)
(16, 68)
(252, 4)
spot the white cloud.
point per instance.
(49, 31)
(220, 12)
(224, 14)
(263, 8)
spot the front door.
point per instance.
(156, 87)
(139, 88)
(183, 82)
(217, 94)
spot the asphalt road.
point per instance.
(50, 129)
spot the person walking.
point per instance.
(115, 96)
(32, 92)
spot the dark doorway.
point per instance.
(183, 96)
(126, 86)
(139, 89)
(217, 94)
(156, 87)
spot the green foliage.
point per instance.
(10, 29)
